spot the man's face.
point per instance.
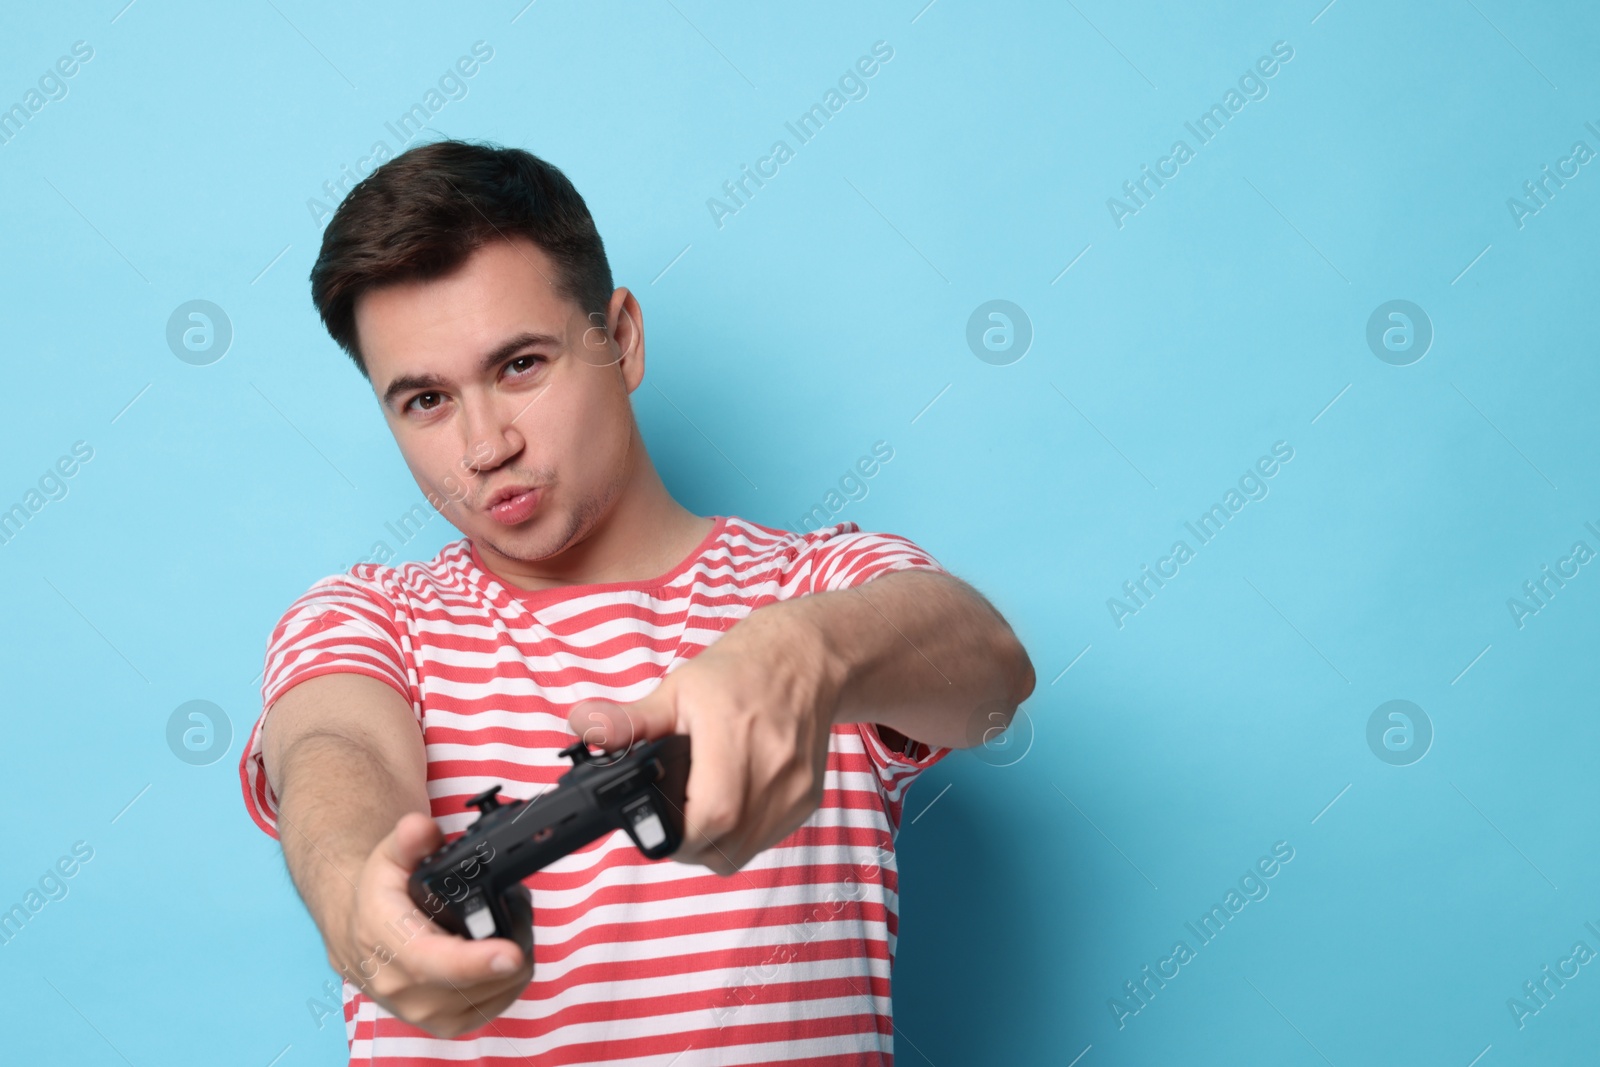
(492, 381)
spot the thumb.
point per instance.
(609, 725)
(413, 837)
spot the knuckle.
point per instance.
(433, 1018)
(803, 789)
(719, 820)
(386, 983)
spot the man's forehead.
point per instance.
(514, 256)
(503, 289)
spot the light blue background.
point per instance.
(824, 316)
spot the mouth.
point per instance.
(514, 504)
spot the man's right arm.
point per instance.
(345, 759)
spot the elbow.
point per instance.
(1013, 679)
(1015, 668)
(1009, 683)
(1020, 678)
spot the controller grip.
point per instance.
(519, 917)
(672, 787)
(511, 914)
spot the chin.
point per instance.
(546, 534)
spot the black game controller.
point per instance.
(473, 885)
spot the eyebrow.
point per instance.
(407, 382)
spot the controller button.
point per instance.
(647, 824)
(485, 801)
(480, 923)
(578, 752)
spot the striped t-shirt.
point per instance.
(635, 962)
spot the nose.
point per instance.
(491, 436)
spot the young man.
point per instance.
(815, 674)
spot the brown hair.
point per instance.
(421, 214)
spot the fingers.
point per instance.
(407, 963)
(609, 725)
(409, 955)
(413, 837)
(445, 990)
(444, 959)
(430, 953)
(456, 1011)
(719, 777)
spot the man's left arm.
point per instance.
(920, 652)
(917, 651)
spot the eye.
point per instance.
(523, 365)
(423, 407)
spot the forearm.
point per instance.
(919, 652)
(337, 800)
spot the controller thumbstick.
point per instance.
(485, 801)
(578, 752)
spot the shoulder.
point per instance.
(754, 540)
(402, 585)
(829, 557)
(777, 541)
(757, 543)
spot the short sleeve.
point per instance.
(895, 770)
(341, 625)
(842, 557)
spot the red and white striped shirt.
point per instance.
(635, 962)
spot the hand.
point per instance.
(758, 706)
(427, 976)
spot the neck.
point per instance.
(643, 534)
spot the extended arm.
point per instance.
(918, 652)
(345, 758)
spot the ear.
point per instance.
(627, 333)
